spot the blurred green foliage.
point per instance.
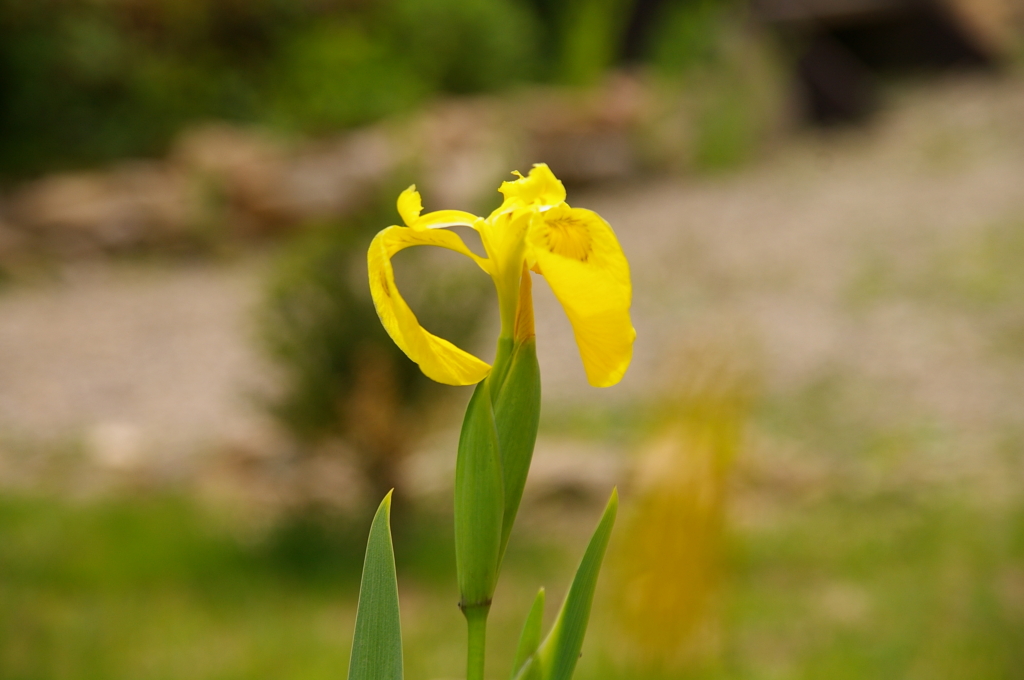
(467, 45)
(727, 73)
(314, 318)
(335, 75)
(591, 33)
(83, 82)
(352, 69)
(689, 35)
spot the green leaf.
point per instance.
(479, 502)
(561, 649)
(377, 642)
(517, 416)
(529, 641)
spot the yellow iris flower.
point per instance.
(534, 228)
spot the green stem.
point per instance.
(476, 619)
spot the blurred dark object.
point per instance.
(835, 87)
(12, 247)
(842, 48)
(642, 22)
(344, 378)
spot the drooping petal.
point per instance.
(410, 205)
(540, 190)
(439, 359)
(577, 252)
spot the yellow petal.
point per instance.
(445, 218)
(410, 205)
(503, 237)
(540, 190)
(439, 359)
(577, 252)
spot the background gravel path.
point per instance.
(828, 257)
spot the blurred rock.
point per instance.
(13, 243)
(588, 137)
(238, 155)
(562, 469)
(332, 481)
(116, 445)
(135, 204)
(245, 182)
(258, 465)
(464, 150)
(576, 470)
(993, 24)
(250, 472)
(253, 442)
(268, 186)
(73, 208)
(243, 166)
(465, 147)
(333, 178)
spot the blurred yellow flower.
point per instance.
(534, 228)
(668, 563)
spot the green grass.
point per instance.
(154, 587)
(841, 584)
(149, 589)
(844, 562)
(885, 587)
(981, 277)
(891, 587)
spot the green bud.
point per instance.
(517, 416)
(479, 502)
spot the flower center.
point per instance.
(569, 237)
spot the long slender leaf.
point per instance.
(479, 502)
(561, 649)
(529, 639)
(377, 642)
